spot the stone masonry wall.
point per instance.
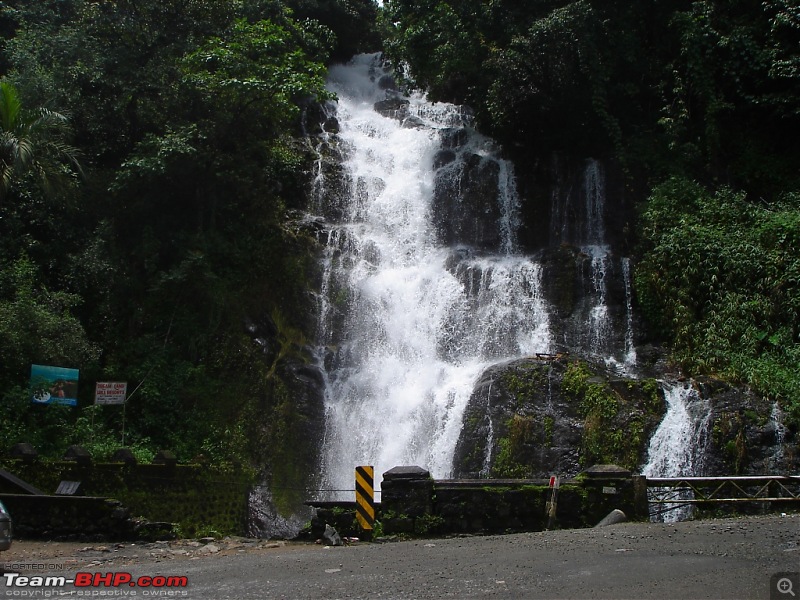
(197, 499)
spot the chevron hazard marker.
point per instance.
(365, 497)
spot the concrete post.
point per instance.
(406, 494)
(609, 487)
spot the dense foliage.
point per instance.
(699, 97)
(720, 279)
(150, 151)
(710, 87)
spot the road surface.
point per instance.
(724, 558)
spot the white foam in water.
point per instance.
(629, 362)
(419, 322)
(776, 420)
(678, 444)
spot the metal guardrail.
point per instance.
(755, 488)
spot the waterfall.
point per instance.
(678, 444)
(509, 204)
(630, 349)
(410, 318)
(322, 141)
(594, 186)
(594, 240)
(487, 457)
(601, 325)
(776, 421)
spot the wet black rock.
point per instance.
(465, 203)
(746, 434)
(394, 107)
(522, 420)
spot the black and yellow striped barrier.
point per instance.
(365, 497)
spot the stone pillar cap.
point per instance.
(410, 472)
(165, 457)
(124, 455)
(78, 454)
(613, 471)
(24, 450)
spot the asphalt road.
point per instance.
(725, 558)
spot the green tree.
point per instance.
(33, 143)
(731, 93)
(441, 43)
(550, 82)
(37, 325)
(179, 232)
(259, 72)
(352, 21)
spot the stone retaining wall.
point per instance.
(68, 516)
(413, 503)
(198, 499)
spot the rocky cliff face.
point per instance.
(558, 415)
(465, 200)
(536, 417)
(289, 432)
(746, 434)
(574, 216)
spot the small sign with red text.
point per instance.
(110, 392)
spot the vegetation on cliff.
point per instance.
(698, 104)
(163, 256)
(720, 280)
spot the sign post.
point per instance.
(111, 392)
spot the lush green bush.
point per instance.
(185, 119)
(720, 279)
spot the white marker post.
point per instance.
(552, 503)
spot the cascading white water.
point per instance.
(411, 324)
(678, 444)
(599, 253)
(600, 325)
(776, 420)
(487, 457)
(630, 348)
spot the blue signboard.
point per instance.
(54, 385)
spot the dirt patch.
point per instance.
(80, 555)
(711, 535)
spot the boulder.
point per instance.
(612, 518)
(394, 107)
(331, 536)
